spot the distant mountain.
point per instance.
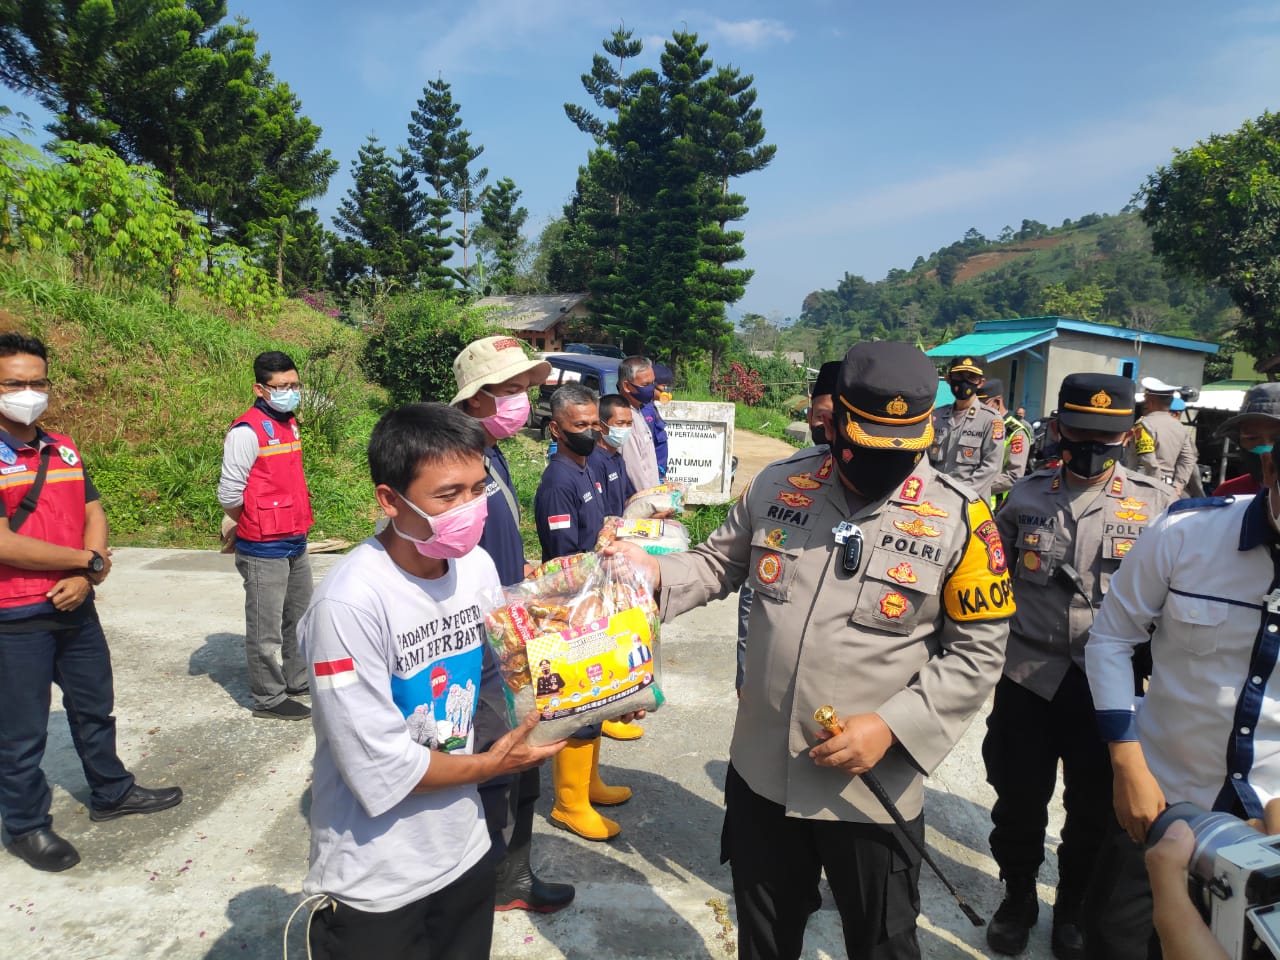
(1099, 267)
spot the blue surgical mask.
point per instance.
(617, 436)
(643, 394)
(285, 401)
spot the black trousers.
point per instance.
(455, 923)
(1118, 908)
(1026, 737)
(508, 801)
(777, 861)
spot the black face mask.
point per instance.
(582, 442)
(1089, 458)
(963, 389)
(1252, 464)
(874, 473)
(819, 433)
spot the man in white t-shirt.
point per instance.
(393, 639)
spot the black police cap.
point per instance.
(828, 375)
(884, 396)
(1096, 401)
(994, 387)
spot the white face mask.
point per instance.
(25, 406)
(617, 436)
(284, 401)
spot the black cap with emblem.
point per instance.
(1096, 401)
(994, 387)
(963, 365)
(884, 396)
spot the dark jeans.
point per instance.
(1026, 737)
(455, 923)
(77, 660)
(777, 860)
(276, 594)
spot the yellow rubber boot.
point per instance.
(617, 730)
(571, 770)
(602, 793)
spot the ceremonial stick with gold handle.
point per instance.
(829, 720)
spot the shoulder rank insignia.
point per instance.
(824, 471)
(1117, 487)
(911, 489)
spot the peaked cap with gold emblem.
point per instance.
(885, 396)
(1096, 401)
(964, 365)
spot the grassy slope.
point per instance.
(148, 391)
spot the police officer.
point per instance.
(867, 565)
(1017, 441)
(1162, 446)
(1066, 529)
(493, 376)
(53, 551)
(968, 442)
(1203, 584)
(570, 512)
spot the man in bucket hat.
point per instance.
(1261, 404)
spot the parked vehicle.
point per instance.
(598, 373)
(595, 349)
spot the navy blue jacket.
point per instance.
(568, 509)
(610, 475)
(501, 537)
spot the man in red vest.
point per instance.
(265, 492)
(53, 550)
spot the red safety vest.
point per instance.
(277, 503)
(58, 517)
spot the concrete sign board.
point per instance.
(700, 448)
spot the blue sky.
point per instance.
(898, 125)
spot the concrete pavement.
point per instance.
(218, 876)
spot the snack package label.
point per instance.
(588, 667)
(640, 529)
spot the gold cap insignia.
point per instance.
(1101, 399)
(968, 362)
(896, 407)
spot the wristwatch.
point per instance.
(97, 564)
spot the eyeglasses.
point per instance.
(8, 386)
(296, 385)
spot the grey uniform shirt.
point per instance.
(931, 581)
(1165, 450)
(1017, 451)
(1046, 523)
(970, 449)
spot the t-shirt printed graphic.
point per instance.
(436, 679)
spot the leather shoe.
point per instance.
(284, 710)
(45, 850)
(1010, 928)
(140, 800)
(1068, 939)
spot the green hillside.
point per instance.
(148, 391)
(1098, 268)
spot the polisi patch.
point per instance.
(769, 568)
(917, 528)
(893, 605)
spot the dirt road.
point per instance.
(754, 453)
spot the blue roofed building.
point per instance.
(1033, 354)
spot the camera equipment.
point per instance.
(1233, 879)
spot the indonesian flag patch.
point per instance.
(332, 674)
(561, 521)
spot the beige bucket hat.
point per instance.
(493, 360)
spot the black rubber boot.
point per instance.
(519, 889)
(1010, 928)
(1068, 932)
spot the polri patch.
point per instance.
(893, 605)
(769, 568)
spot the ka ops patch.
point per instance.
(979, 588)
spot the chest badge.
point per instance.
(916, 528)
(804, 481)
(269, 428)
(989, 534)
(1121, 547)
(794, 499)
(776, 537)
(1130, 510)
(902, 573)
(7, 455)
(926, 510)
(1031, 560)
(769, 568)
(893, 605)
(68, 456)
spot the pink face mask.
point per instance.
(512, 414)
(454, 533)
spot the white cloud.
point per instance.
(752, 33)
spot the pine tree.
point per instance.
(380, 219)
(499, 231)
(434, 144)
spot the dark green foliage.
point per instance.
(411, 350)
(380, 220)
(499, 234)
(435, 138)
(1214, 214)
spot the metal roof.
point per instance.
(995, 339)
(535, 314)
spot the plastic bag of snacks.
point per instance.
(664, 498)
(579, 641)
(655, 536)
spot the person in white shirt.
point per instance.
(1204, 584)
(393, 639)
